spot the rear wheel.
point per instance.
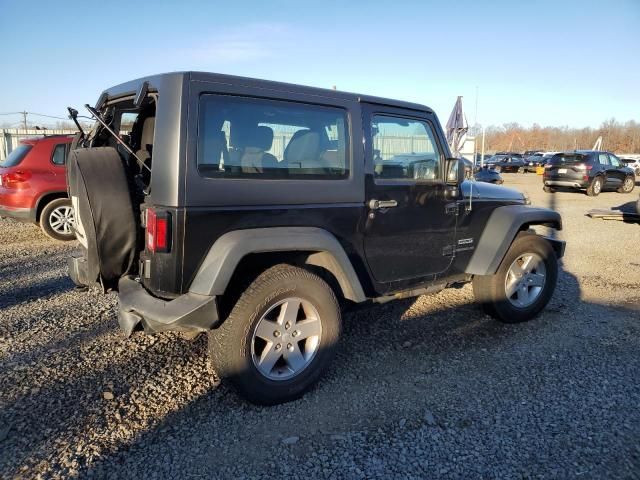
(628, 185)
(280, 336)
(595, 187)
(523, 284)
(57, 220)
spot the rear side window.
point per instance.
(16, 156)
(603, 159)
(59, 156)
(267, 139)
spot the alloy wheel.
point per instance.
(62, 219)
(286, 339)
(597, 186)
(525, 280)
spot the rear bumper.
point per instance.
(190, 312)
(21, 214)
(566, 183)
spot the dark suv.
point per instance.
(507, 163)
(255, 211)
(593, 171)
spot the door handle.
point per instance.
(378, 204)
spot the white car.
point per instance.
(633, 163)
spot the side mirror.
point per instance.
(455, 171)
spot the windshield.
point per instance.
(16, 156)
(570, 158)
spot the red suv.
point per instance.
(33, 185)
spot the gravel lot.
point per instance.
(423, 388)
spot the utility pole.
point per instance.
(24, 119)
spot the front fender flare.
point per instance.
(216, 270)
(500, 231)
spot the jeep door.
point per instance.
(409, 229)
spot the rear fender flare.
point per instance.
(500, 231)
(225, 254)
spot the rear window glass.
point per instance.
(16, 156)
(564, 159)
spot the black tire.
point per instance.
(549, 189)
(489, 290)
(628, 185)
(230, 345)
(595, 187)
(50, 220)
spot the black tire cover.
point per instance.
(106, 223)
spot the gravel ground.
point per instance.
(423, 388)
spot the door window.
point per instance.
(615, 161)
(404, 149)
(59, 154)
(603, 159)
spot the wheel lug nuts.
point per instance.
(278, 346)
(295, 333)
(276, 334)
(287, 326)
(289, 347)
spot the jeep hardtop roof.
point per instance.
(131, 87)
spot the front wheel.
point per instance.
(57, 220)
(628, 185)
(523, 284)
(280, 336)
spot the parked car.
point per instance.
(632, 163)
(532, 153)
(532, 162)
(510, 154)
(593, 171)
(489, 176)
(506, 164)
(33, 185)
(203, 223)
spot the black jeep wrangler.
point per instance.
(254, 211)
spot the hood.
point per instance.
(489, 191)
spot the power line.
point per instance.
(36, 114)
(48, 116)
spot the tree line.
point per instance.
(616, 137)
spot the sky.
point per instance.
(573, 63)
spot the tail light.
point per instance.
(14, 179)
(582, 166)
(158, 231)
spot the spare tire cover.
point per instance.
(106, 223)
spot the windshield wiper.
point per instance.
(115, 135)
